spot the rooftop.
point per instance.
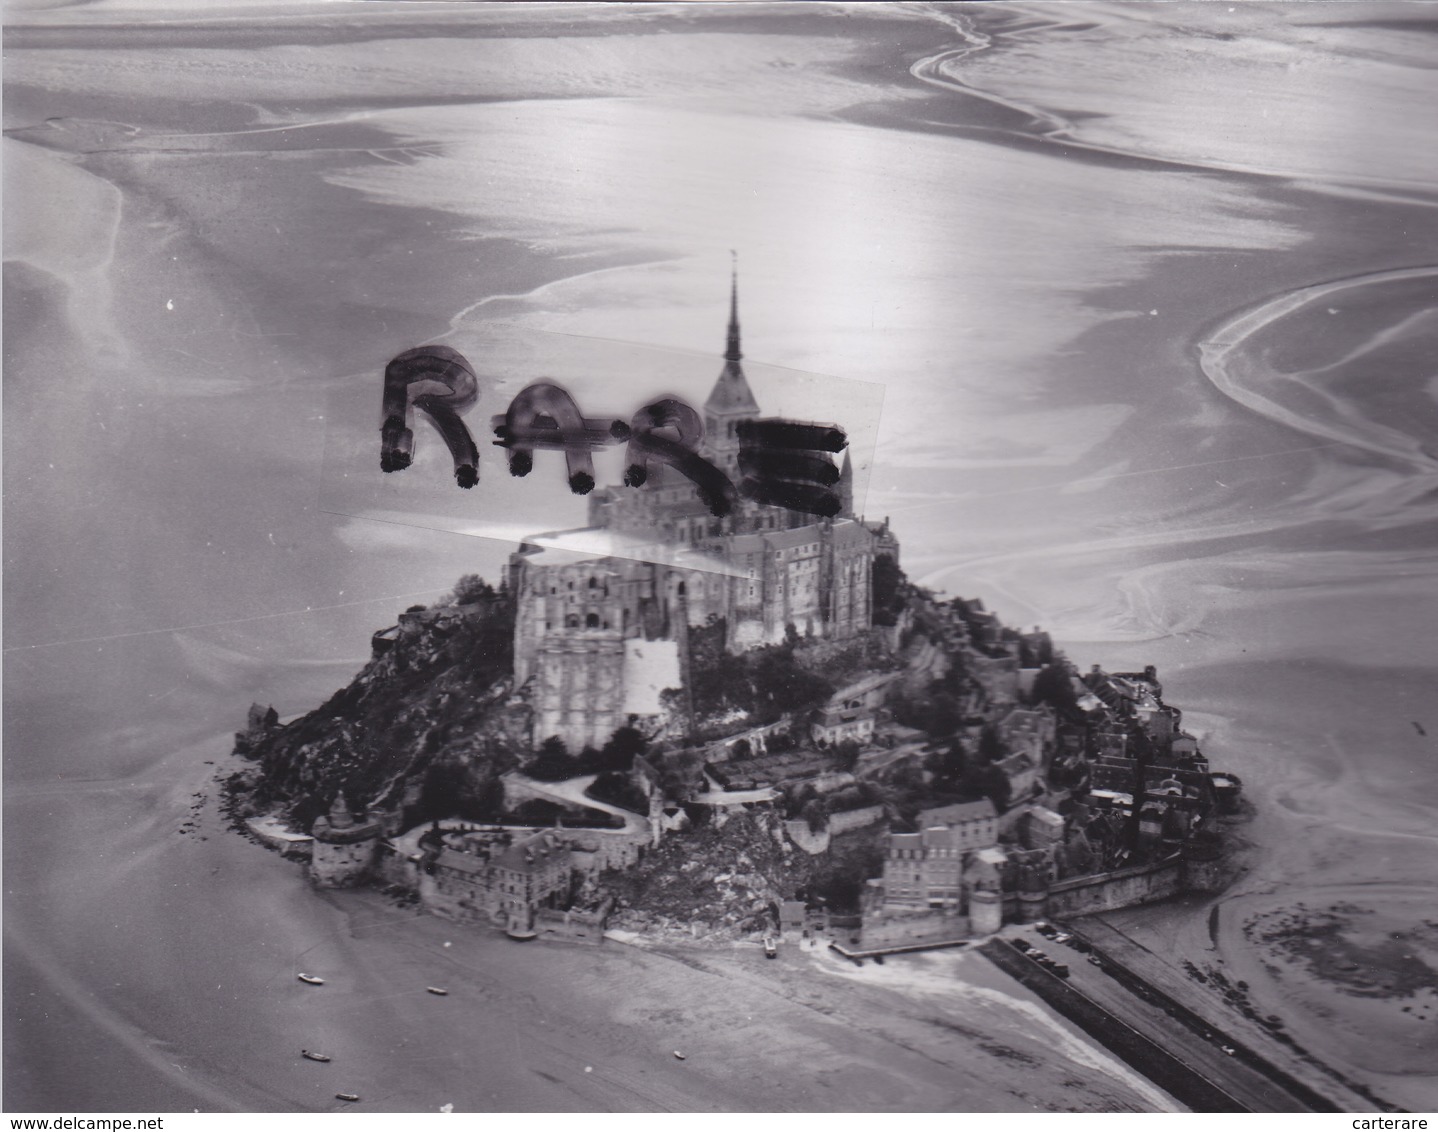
(957, 814)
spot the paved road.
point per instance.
(1204, 1055)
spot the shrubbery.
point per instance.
(616, 788)
(765, 683)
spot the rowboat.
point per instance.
(313, 980)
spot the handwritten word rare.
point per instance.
(440, 383)
(778, 459)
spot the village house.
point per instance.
(925, 869)
(834, 724)
(495, 880)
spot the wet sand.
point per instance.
(202, 1008)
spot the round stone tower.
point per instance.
(1204, 868)
(1033, 892)
(344, 848)
(985, 912)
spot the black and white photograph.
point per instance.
(744, 557)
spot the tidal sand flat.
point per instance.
(219, 229)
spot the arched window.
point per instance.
(593, 584)
(572, 621)
(591, 621)
(681, 589)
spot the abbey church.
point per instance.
(599, 636)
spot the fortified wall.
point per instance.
(892, 929)
(1119, 888)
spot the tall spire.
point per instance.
(731, 353)
(731, 399)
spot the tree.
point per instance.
(781, 685)
(886, 579)
(589, 761)
(539, 811)
(553, 763)
(1053, 686)
(816, 813)
(471, 588)
(489, 798)
(991, 748)
(847, 754)
(622, 748)
(985, 782)
(944, 715)
(797, 797)
(948, 764)
(614, 787)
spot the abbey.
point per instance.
(599, 636)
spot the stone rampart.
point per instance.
(277, 836)
(455, 902)
(572, 927)
(847, 820)
(394, 867)
(889, 929)
(1120, 888)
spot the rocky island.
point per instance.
(744, 727)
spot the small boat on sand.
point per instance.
(313, 980)
(346, 1096)
(522, 934)
(679, 1055)
(313, 1056)
(437, 990)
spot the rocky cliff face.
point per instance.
(428, 715)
